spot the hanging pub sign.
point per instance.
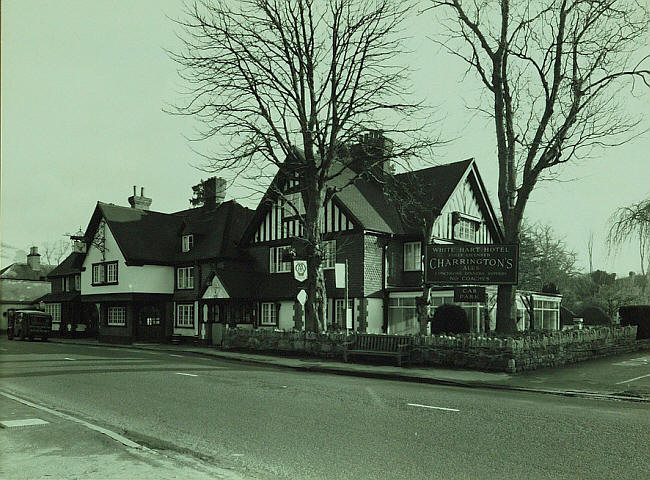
(469, 294)
(300, 270)
(471, 264)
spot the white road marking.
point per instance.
(434, 408)
(109, 433)
(68, 358)
(4, 349)
(187, 374)
(27, 422)
(174, 355)
(633, 379)
(375, 397)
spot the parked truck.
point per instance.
(28, 324)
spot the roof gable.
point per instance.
(70, 266)
(148, 237)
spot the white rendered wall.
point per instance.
(131, 279)
(375, 315)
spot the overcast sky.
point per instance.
(83, 88)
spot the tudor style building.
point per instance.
(364, 228)
(147, 275)
(144, 271)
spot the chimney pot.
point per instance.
(34, 259)
(140, 202)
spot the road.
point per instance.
(272, 423)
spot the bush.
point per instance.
(449, 318)
(638, 315)
(594, 316)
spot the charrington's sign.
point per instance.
(471, 264)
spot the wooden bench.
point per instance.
(398, 346)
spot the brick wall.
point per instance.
(373, 258)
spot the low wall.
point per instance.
(528, 352)
(505, 354)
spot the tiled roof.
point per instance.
(149, 237)
(71, 265)
(367, 201)
(22, 271)
(244, 283)
(61, 297)
(22, 291)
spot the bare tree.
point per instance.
(590, 251)
(55, 252)
(632, 223)
(552, 72)
(283, 84)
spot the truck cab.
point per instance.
(28, 324)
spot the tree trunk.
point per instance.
(315, 284)
(506, 294)
(421, 305)
(506, 310)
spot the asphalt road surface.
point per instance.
(272, 423)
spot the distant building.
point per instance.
(22, 285)
(64, 301)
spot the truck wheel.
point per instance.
(44, 339)
(21, 335)
(31, 338)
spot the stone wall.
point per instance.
(469, 351)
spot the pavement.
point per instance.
(40, 443)
(602, 378)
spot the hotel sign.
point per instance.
(471, 264)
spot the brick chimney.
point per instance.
(34, 259)
(372, 154)
(140, 202)
(209, 193)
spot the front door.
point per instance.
(150, 326)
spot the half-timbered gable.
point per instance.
(467, 215)
(281, 219)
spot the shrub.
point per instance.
(595, 316)
(638, 315)
(449, 318)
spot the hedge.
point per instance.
(638, 315)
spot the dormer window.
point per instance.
(187, 242)
(465, 227)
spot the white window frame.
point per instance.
(184, 315)
(465, 229)
(269, 314)
(54, 309)
(187, 242)
(339, 312)
(99, 274)
(329, 254)
(276, 265)
(541, 305)
(412, 257)
(116, 316)
(77, 282)
(111, 272)
(185, 278)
